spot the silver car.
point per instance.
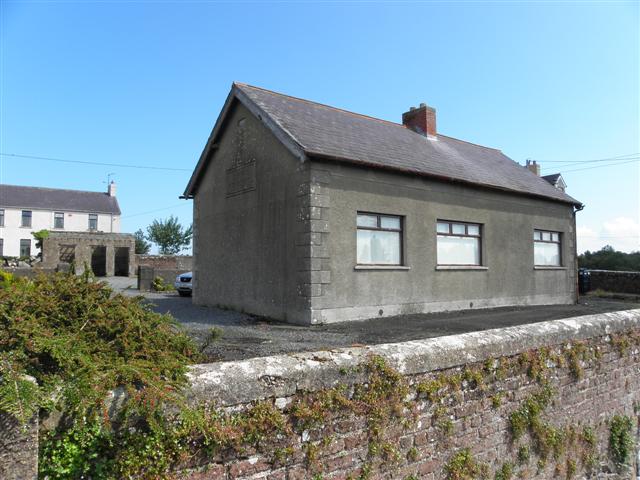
(183, 284)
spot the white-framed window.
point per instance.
(547, 251)
(459, 243)
(25, 248)
(1, 217)
(58, 220)
(93, 221)
(26, 218)
(379, 239)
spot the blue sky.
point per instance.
(142, 83)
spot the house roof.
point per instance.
(15, 196)
(321, 132)
(552, 179)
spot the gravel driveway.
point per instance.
(245, 336)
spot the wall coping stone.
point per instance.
(240, 382)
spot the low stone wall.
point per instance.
(613, 281)
(18, 449)
(146, 275)
(184, 263)
(533, 400)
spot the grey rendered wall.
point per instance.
(508, 223)
(249, 225)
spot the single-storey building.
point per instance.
(312, 214)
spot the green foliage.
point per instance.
(523, 455)
(609, 259)
(505, 472)
(463, 466)
(527, 416)
(79, 341)
(169, 235)
(160, 285)
(142, 246)
(40, 236)
(621, 439)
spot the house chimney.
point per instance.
(421, 120)
(533, 166)
(111, 189)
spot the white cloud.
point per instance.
(622, 233)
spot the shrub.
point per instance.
(79, 341)
(160, 285)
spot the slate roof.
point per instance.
(552, 179)
(14, 196)
(324, 132)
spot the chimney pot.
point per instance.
(421, 120)
(533, 166)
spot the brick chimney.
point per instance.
(533, 166)
(111, 189)
(421, 120)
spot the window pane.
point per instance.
(546, 254)
(443, 227)
(367, 221)
(457, 228)
(546, 236)
(390, 222)
(375, 247)
(555, 237)
(473, 230)
(458, 250)
(26, 218)
(537, 235)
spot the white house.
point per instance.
(24, 210)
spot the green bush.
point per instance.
(79, 341)
(159, 285)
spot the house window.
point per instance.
(1, 217)
(25, 248)
(379, 239)
(26, 218)
(546, 249)
(93, 221)
(58, 220)
(458, 243)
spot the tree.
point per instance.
(142, 246)
(169, 235)
(40, 237)
(607, 258)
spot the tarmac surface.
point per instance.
(245, 336)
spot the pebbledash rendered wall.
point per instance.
(464, 395)
(275, 235)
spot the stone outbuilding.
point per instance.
(311, 214)
(107, 254)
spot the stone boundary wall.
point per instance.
(146, 276)
(184, 263)
(430, 435)
(614, 281)
(432, 409)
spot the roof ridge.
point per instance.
(51, 188)
(321, 104)
(470, 143)
(356, 113)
